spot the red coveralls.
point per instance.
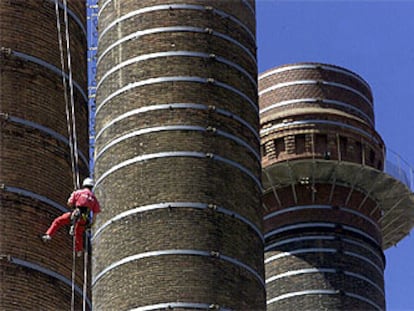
(79, 198)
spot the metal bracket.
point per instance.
(211, 129)
(4, 115)
(212, 206)
(5, 257)
(5, 51)
(215, 254)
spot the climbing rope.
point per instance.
(67, 110)
(72, 301)
(72, 137)
(85, 269)
(72, 101)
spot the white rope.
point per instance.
(68, 121)
(71, 125)
(85, 270)
(72, 101)
(72, 302)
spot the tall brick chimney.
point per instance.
(177, 157)
(330, 208)
(35, 166)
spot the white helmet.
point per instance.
(88, 182)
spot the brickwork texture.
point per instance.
(177, 157)
(35, 169)
(322, 237)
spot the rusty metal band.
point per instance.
(185, 252)
(191, 79)
(145, 109)
(169, 128)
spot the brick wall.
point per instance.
(177, 157)
(323, 241)
(34, 156)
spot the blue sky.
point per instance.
(375, 39)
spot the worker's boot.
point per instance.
(46, 238)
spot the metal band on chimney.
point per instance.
(317, 100)
(315, 66)
(310, 207)
(181, 305)
(167, 205)
(46, 130)
(140, 33)
(176, 79)
(51, 67)
(34, 196)
(188, 252)
(313, 82)
(145, 109)
(71, 14)
(173, 6)
(43, 270)
(192, 154)
(146, 57)
(196, 128)
(323, 122)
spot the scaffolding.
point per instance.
(92, 42)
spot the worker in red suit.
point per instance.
(83, 202)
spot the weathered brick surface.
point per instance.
(31, 82)
(342, 143)
(139, 283)
(233, 185)
(351, 274)
(172, 92)
(354, 252)
(33, 159)
(35, 33)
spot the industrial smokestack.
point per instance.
(35, 165)
(330, 208)
(177, 157)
